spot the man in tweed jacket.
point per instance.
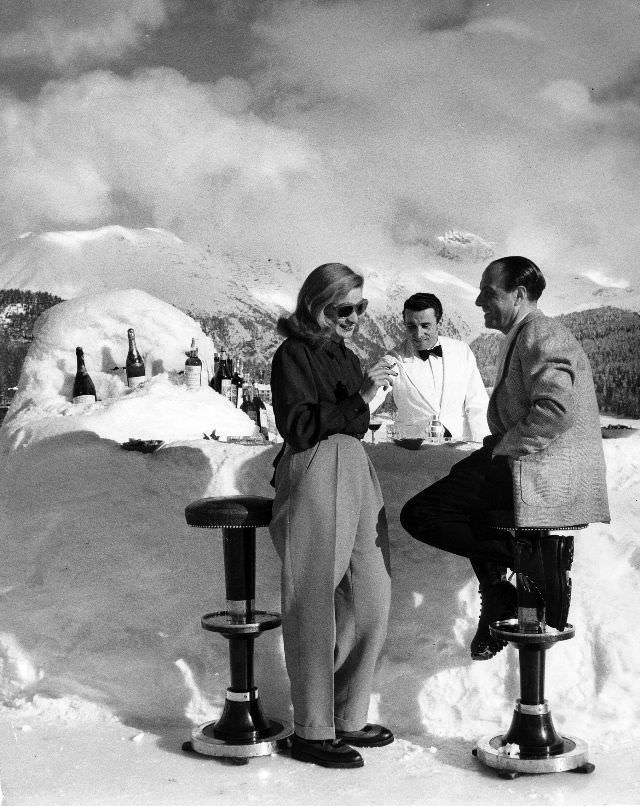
(543, 460)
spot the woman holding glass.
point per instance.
(329, 526)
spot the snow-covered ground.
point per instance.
(104, 668)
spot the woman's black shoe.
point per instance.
(369, 736)
(499, 601)
(325, 752)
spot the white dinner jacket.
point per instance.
(463, 405)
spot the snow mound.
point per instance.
(162, 408)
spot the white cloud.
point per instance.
(599, 278)
(102, 148)
(501, 26)
(423, 130)
(573, 98)
(58, 33)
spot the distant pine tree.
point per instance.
(19, 310)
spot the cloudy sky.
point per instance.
(316, 130)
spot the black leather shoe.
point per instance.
(545, 566)
(325, 752)
(498, 602)
(557, 558)
(369, 736)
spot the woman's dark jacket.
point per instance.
(314, 387)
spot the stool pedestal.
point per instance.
(531, 744)
(242, 731)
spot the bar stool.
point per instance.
(532, 744)
(242, 731)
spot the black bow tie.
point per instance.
(437, 350)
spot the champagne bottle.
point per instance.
(135, 364)
(216, 362)
(222, 379)
(83, 389)
(193, 368)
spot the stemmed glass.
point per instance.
(373, 427)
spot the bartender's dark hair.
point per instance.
(326, 285)
(517, 270)
(422, 301)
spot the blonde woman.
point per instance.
(329, 525)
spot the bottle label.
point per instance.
(192, 376)
(84, 399)
(135, 380)
(226, 388)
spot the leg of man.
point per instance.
(449, 514)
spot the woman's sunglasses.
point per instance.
(342, 311)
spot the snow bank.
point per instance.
(102, 584)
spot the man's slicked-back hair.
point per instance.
(517, 270)
(421, 302)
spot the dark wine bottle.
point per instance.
(83, 389)
(193, 368)
(222, 378)
(134, 365)
(237, 381)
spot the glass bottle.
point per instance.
(193, 368)
(83, 389)
(134, 365)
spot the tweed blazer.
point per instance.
(544, 415)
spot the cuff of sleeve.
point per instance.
(353, 406)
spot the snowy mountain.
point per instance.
(244, 296)
(458, 245)
(74, 263)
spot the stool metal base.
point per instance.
(203, 741)
(504, 758)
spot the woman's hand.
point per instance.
(380, 374)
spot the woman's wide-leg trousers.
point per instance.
(329, 529)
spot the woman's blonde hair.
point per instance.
(326, 285)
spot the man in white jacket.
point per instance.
(436, 376)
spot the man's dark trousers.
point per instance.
(451, 514)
